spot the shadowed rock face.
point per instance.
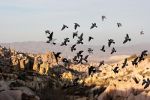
(25, 76)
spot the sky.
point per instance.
(27, 20)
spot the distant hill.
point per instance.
(42, 47)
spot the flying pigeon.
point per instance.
(93, 25)
(119, 25)
(75, 34)
(113, 50)
(146, 83)
(116, 70)
(135, 61)
(73, 48)
(57, 55)
(63, 27)
(110, 41)
(103, 18)
(125, 63)
(101, 63)
(90, 51)
(103, 48)
(65, 42)
(90, 38)
(142, 32)
(76, 25)
(126, 39)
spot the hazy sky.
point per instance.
(26, 20)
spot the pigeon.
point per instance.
(54, 43)
(79, 54)
(90, 51)
(125, 63)
(110, 41)
(80, 39)
(93, 25)
(126, 39)
(79, 42)
(47, 32)
(75, 34)
(144, 53)
(103, 18)
(65, 42)
(135, 61)
(116, 70)
(76, 25)
(103, 48)
(119, 25)
(50, 37)
(101, 63)
(113, 50)
(75, 59)
(64, 26)
(57, 55)
(73, 48)
(91, 70)
(142, 32)
(83, 59)
(135, 79)
(90, 38)
(146, 83)
(65, 60)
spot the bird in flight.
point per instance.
(119, 25)
(90, 51)
(63, 27)
(136, 80)
(91, 70)
(144, 53)
(76, 25)
(73, 48)
(135, 61)
(113, 50)
(142, 32)
(75, 34)
(50, 37)
(93, 25)
(127, 38)
(116, 70)
(101, 63)
(103, 18)
(47, 32)
(75, 59)
(103, 48)
(110, 41)
(83, 59)
(90, 38)
(79, 54)
(57, 55)
(80, 41)
(146, 83)
(125, 63)
(65, 42)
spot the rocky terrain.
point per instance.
(25, 76)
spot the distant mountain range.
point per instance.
(42, 47)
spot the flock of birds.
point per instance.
(79, 58)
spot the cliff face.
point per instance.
(42, 76)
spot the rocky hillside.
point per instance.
(25, 76)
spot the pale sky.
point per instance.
(26, 20)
